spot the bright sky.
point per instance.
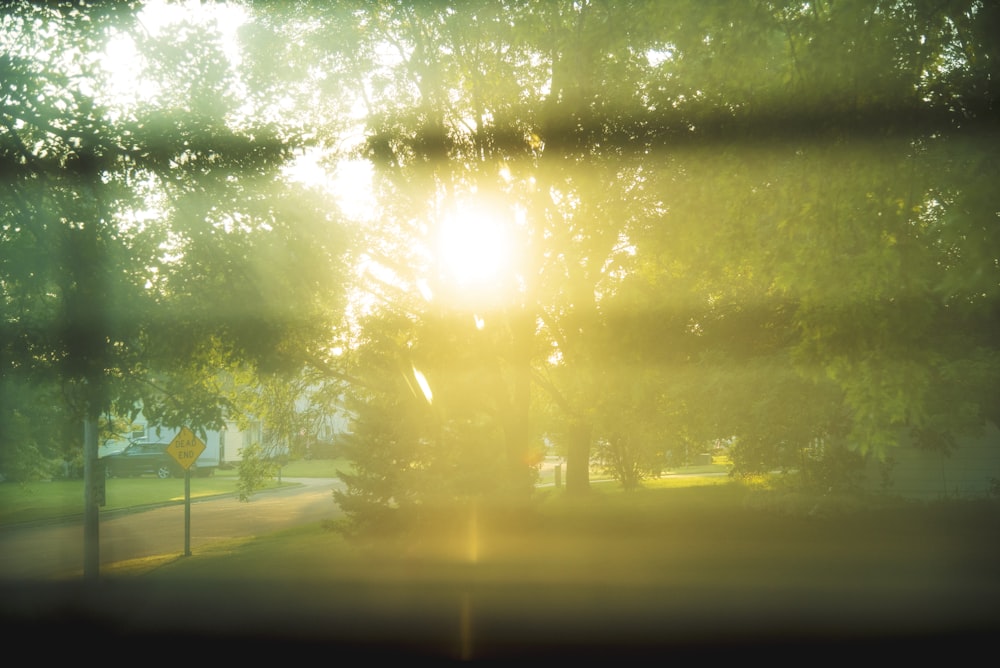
(123, 61)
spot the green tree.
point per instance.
(148, 246)
(781, 213)
(787, 195)
(824, 218)
(462, 112)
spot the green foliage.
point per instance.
(150, 241)
(832, 468)
(755, 456)
(772, 239)
(773, 223)
(383, 450)
(38, 437)
(621, 456)
(20, 460)
(254, 470)
(413, 449)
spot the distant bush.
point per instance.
(624, 457)
(254, 470)
(22, 462)
(322, 450)
(832, 467)
(68, 468)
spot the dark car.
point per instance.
(140, 458)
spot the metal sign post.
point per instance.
(187, 512)
(185, 449)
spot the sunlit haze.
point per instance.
(506, 329)
(475, 248)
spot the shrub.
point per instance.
(624, 458)
(253, 471)
(832, 467)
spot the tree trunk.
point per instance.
(93, 498)
(518, 431)
(578, 459)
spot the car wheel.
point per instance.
(163, 472)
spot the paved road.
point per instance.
(56, 550)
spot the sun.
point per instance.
(474, 247)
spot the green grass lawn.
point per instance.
(703, 534)
(686, 561)
(665, 564)
(719, 466)
(47, 500)
(542, 541)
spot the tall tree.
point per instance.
(810, 202)
(148, 245)
(778, 211)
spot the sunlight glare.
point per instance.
(425, 387)
(474, 247)
(350, 182)
(127, 83)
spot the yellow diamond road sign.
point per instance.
(185, 447)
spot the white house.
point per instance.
(971, 469)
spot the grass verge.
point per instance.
(57, 499)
